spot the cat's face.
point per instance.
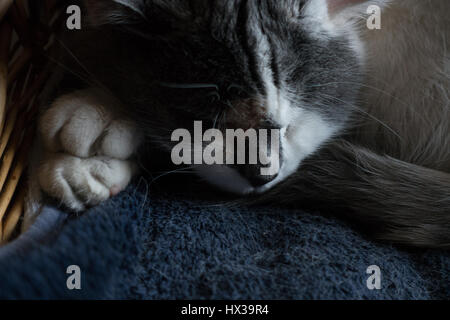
(292, 65)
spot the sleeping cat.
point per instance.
(364, 115)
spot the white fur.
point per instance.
(317, 20)
(78, 182)
(323, 23)
(307, 132)
(86, 150)
(303, 132)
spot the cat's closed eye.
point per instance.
(334, 93)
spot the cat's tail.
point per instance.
(395, 201)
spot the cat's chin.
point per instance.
(285, 172)
(230, 180)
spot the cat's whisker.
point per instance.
(99, 84)
(182, 170)
(379, 90)
(70, 71)
(217, 118)
(230, 105)
(236, 86)
(189, 85)
(354, 107)
(230, 204)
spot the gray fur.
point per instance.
(393, 200)
(398, 189)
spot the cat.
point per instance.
(364, 114)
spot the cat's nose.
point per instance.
(253, 174)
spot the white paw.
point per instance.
(87, 150)
(80, 183)
(81, 125)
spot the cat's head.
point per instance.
(292, 65)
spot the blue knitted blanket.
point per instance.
(156, 245)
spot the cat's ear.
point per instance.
(100, 12)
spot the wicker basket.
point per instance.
(25, 36)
